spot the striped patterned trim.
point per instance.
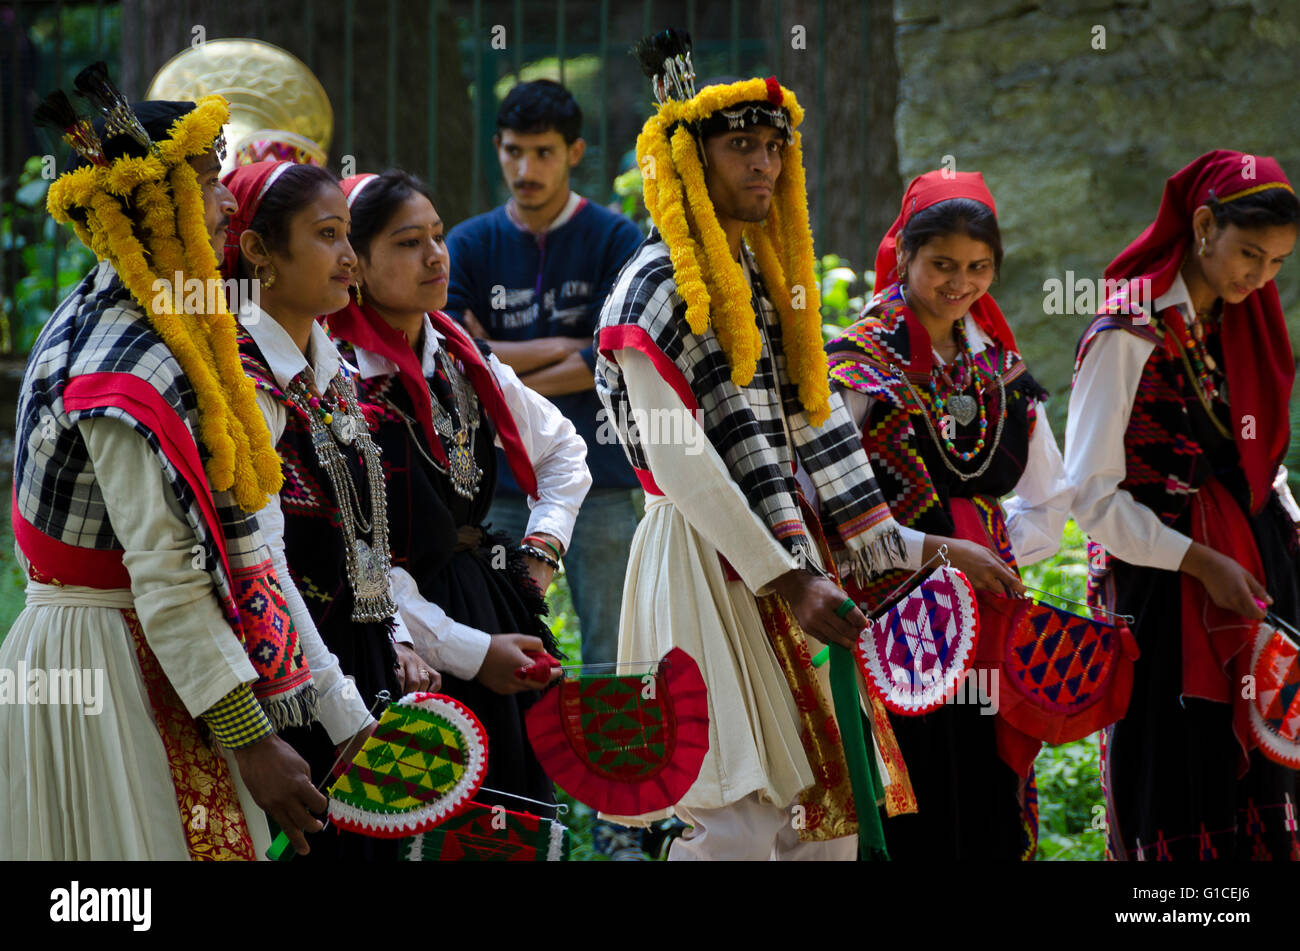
(788, 528)
(865, 521)
(237, 719)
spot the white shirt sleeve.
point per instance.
(557, 452)
(178, 610)
(448, 645)
(690, 472)
(1100, 405)
(342, 711)
(401, 634)
(1283, 490)
(1037, 513)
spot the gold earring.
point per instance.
(266, 282)
(1201, 252)
(357, 287)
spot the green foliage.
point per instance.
(844, 292)
(628, 189)
(30, 233)
(1293, 455)
(1069, 802)
(73, 37)
(12, 583)
(581, 73)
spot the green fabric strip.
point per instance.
(865, 778)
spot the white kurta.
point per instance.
(80, 785)
(676, 595)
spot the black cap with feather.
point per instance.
(665, 58)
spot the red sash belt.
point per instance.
(54, 562)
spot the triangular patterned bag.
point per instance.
(1275, 708)
(1063, 676)
(490, 834)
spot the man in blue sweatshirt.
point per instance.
(530, 277)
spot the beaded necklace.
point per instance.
(962, 407)
(462, 469)
(458, 436)
(1201, 368)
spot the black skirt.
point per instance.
(971, 806)
(1171, 765)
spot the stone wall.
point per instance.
(1076, 142)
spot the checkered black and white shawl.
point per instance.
(99, 329)
(744, 424)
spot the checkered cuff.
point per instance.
(237, 719)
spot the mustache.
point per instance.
(533, 184)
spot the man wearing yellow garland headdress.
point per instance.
(154, 621)
(711, 369)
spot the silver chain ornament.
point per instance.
(367, 563)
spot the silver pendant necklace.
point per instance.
(367, 563)
(458, 440)
(963, 408)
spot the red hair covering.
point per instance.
(362, 326)
(249, 184)
(924, 191)
(1256, 346)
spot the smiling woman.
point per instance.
(328, 528)
(952, 422)
(296, 246)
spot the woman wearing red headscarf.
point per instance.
(952, 422)
(1178, 424)
(328, 528)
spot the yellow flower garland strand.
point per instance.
(732, 308)
(166, 251)
(241, 456)
(129, 261)
(159, 222)
(807, 363)
(257, 466)
(683, 250)
(193, 133)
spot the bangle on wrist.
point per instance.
(538, 542)
(534, 552)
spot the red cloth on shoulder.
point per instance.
(363, 327)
